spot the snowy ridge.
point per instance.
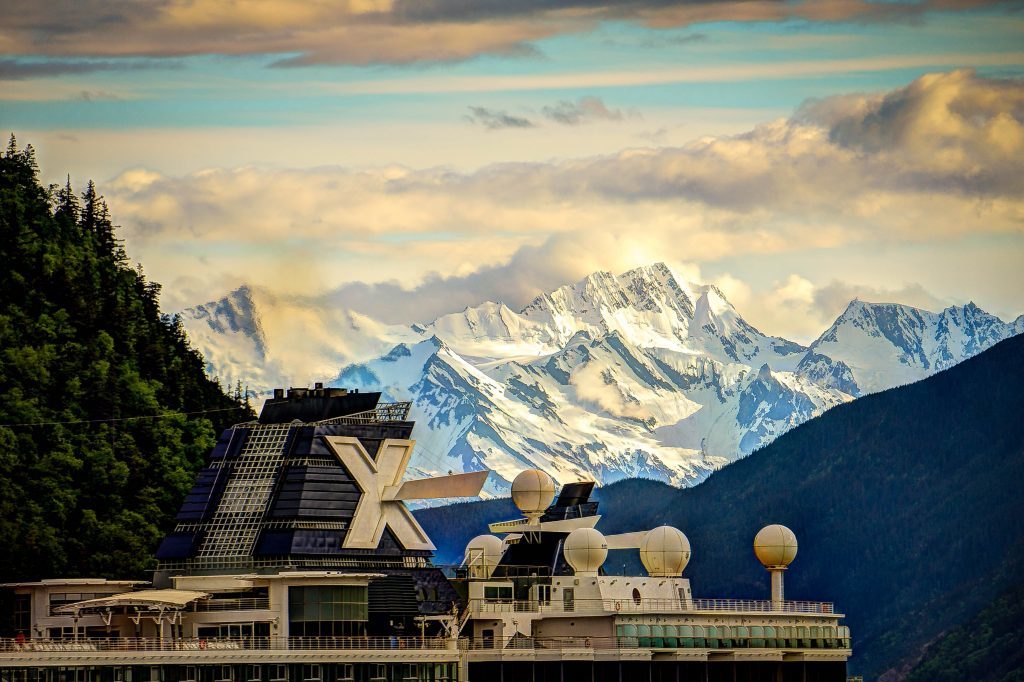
(881, 345)
(640, 374)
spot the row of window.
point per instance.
(234, 630)
(732, 637)
(62, 598)
(310, 672)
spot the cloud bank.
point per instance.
(938, 160)
(308, 32)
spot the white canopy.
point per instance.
(150, 600)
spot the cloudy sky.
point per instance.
(411, 157)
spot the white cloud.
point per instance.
(844, 172)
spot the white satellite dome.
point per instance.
(585, 549)
(775, 545)
(533, 491)
(483, 553)
(665, 551)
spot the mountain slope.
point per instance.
(265, 341)
(905, 504)
(984, 649)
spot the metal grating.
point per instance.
(235, 525)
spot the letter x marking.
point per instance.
(379, 482)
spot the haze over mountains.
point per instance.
(640, 374)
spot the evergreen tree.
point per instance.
(97, 443)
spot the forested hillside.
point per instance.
(906, 505)
(92, 468)
(987, 648)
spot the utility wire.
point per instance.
(123, 419)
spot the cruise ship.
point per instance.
(295, 558)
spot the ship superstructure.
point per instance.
(295, 559)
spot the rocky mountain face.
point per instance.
(640, 374)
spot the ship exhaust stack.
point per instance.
(775, 547)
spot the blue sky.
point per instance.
(472, 142)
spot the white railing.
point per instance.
(199, 644)
(240, 604)
(648, 606)
(731, 642)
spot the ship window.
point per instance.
(22, 613)
(311, 673)
(188, 674)
(223, 673)
(278, 673)
(498, 592)
(378, 672)
(253, 673)
(543, 594)
(327, 611)
(410, 672)
(346, 672)
(64, 598)
(332, 602)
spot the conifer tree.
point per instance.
(89, 479)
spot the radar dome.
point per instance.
(483, 554)
(665, 551)
(585, 549)
(533, 491)
(775, 545)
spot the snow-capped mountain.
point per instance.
(872, 346)
(640, 374)
(264, 340)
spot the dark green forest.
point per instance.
(987, 647)
(906, 505)
(96, 452)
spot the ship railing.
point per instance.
(384, 412)
(205, 565)
(763, 605)
(691, 638)
(628, 605)
(239, 604)
(200, 644)
(502, 571)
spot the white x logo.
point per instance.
(379, 482)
